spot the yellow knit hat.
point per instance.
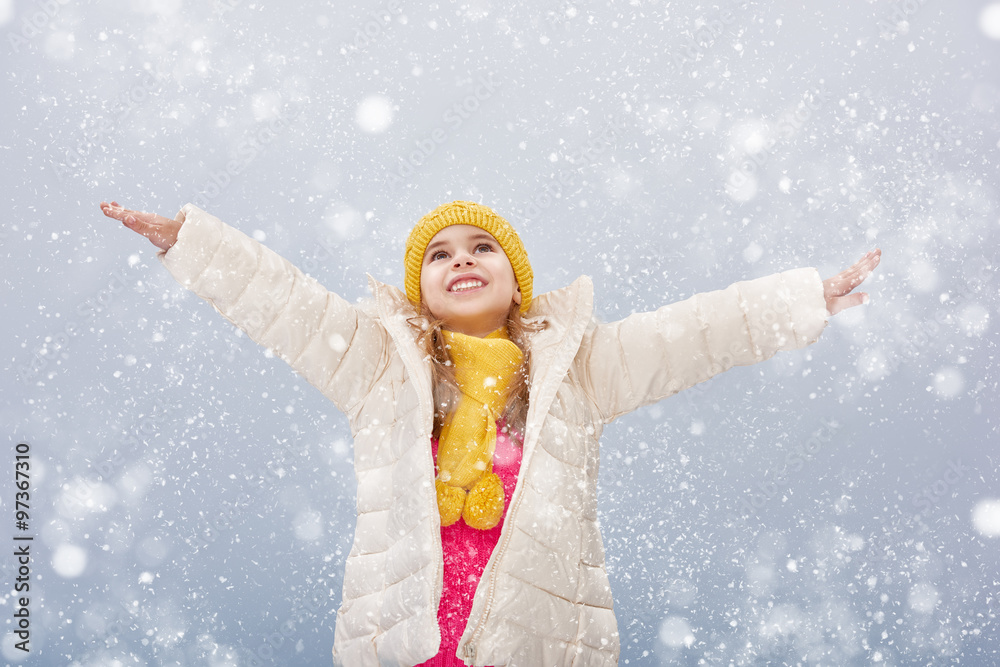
(465, 213)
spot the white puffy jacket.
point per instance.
(544, 598)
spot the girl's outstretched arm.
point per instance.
(649, 356)
(331, 343)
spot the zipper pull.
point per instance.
(470, 652)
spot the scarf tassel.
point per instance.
(481, 507)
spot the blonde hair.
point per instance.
(445, 386)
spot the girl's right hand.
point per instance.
(161, 231)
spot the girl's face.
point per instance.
(467, 281)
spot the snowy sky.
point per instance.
(191, 497)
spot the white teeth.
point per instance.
(466, 284)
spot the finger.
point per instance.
(136, 219)
(870, 259)
(868, 255)
(847, 281)
(137, 225)
(840, 303)
(867, 260)
(849, 278)
(113, 210)
(855, 280)
(852, 300)
(869, 264)
(123, 214)
(860, 270)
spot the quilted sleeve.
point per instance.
(648, 356)
(328, 341)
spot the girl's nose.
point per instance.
(467, 259)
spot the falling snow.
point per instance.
(193, 500)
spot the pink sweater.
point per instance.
(466, 551)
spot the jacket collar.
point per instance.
(567, 313)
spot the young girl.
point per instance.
(476, 409)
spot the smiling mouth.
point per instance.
(466, 286)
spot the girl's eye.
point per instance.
(440, 254)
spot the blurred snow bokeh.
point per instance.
(989, 20)
(986, 517)
(374, 114)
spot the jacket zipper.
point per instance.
(470, 646)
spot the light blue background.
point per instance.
(191, 495)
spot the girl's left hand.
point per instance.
(835, 290)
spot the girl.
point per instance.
(476, 409)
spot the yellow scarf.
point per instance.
(466, 484)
